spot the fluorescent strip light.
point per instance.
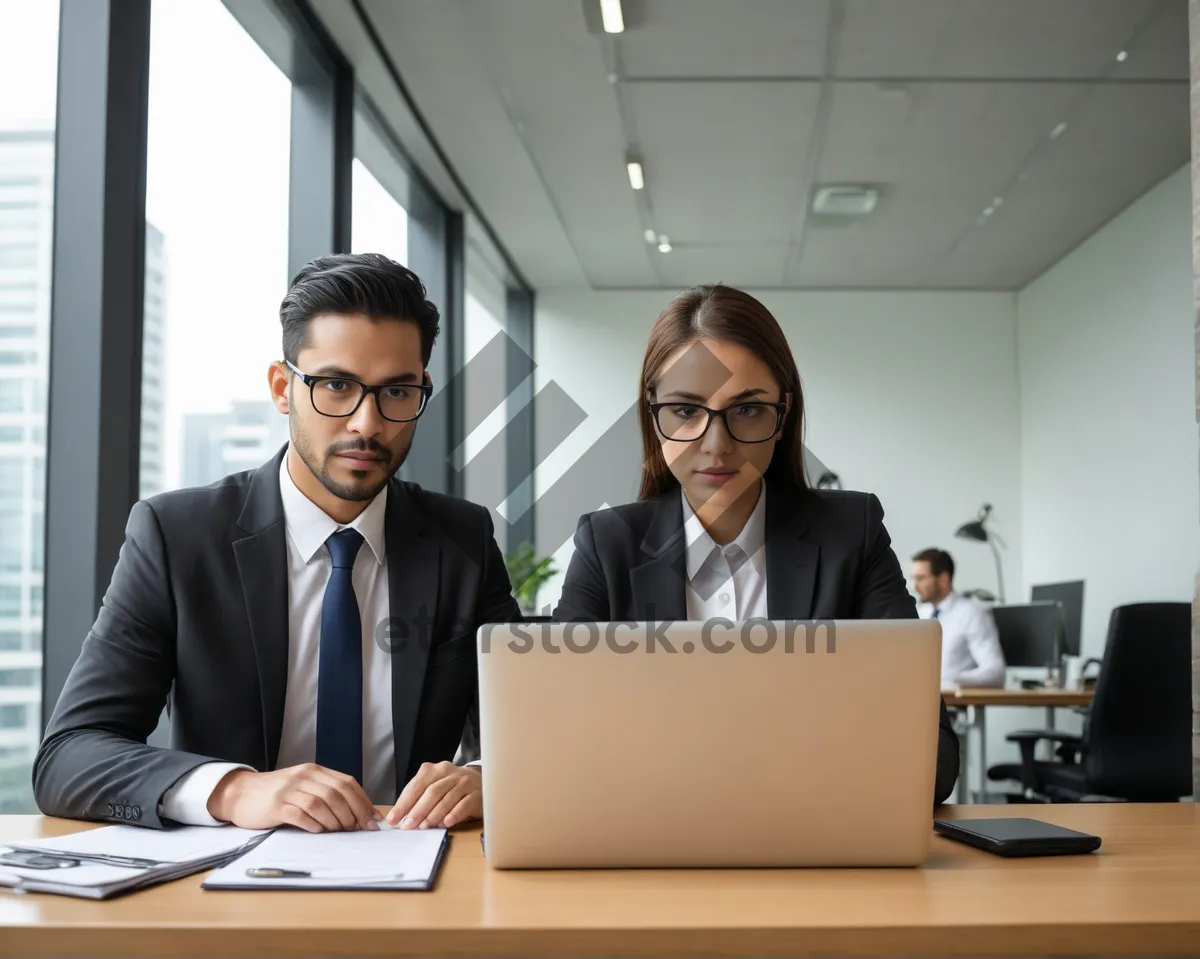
(636, 179)
(610, 14)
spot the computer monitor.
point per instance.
(1029, 633)
(1070, 596)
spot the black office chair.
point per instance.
(1137, 737)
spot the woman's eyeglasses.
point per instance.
(751, 422)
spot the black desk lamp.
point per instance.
(978, 531)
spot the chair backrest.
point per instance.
(1139, 727)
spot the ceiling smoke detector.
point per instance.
(845, 200)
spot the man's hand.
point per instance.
(311, 797)
(440, 794)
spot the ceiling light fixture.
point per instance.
(1058, 131)
(636, 180)
(1122, 56)
(651, 236)
(610, 14)
(664, 245)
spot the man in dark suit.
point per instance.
(309, 624)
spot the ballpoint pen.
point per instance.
(265, 873)
(275, 872)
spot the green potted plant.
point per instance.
(527, 572)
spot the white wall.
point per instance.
(912, 396)
(1109, 446)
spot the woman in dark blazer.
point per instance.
(725, 523)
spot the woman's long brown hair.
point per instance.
(721, 313)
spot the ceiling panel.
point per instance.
(1029, 39)
(939, 155)
(944, 104)
(756, 265)
(720, 38)
(723, 160)
(582, 164)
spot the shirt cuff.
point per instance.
(474, 762)
(187, 800)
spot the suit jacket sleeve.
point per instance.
(882, 595)
(93, 761)
(584, 596)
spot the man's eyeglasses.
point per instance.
(753, 422)
(340, 396)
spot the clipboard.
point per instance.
(389, 860)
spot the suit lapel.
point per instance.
(658, 584)
(261, 558)
(414, 562)
(791, 560)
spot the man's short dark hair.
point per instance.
(938, 559)
(345, 283)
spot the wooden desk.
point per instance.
(1139, 895)
(1050, 698)
(974, 702)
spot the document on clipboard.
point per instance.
(384, 859)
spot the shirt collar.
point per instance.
(947, 603)
(309, 526)
(751, 539)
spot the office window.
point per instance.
(17, 255)
(28, 73)
(12, 716)
(12, 482)
(35, 602)
(379, 222)
(12, 396)
(12, 531)
(211, 333)
(37, 538)
(10, 601)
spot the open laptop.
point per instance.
(612, 745)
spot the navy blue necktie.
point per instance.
(935, 612)
(339, 678)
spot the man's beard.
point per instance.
(353, 494)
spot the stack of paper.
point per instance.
(100, 863)
(293, 859)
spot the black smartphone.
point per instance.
(1017, 837)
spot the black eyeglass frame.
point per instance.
(311, 382)
(780, 408)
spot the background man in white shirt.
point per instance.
(971, 654)
(311, 623)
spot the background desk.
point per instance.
(975, 702)
(1139, 895)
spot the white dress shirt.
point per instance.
(729, 580)
(971, 654)
(309, 565)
